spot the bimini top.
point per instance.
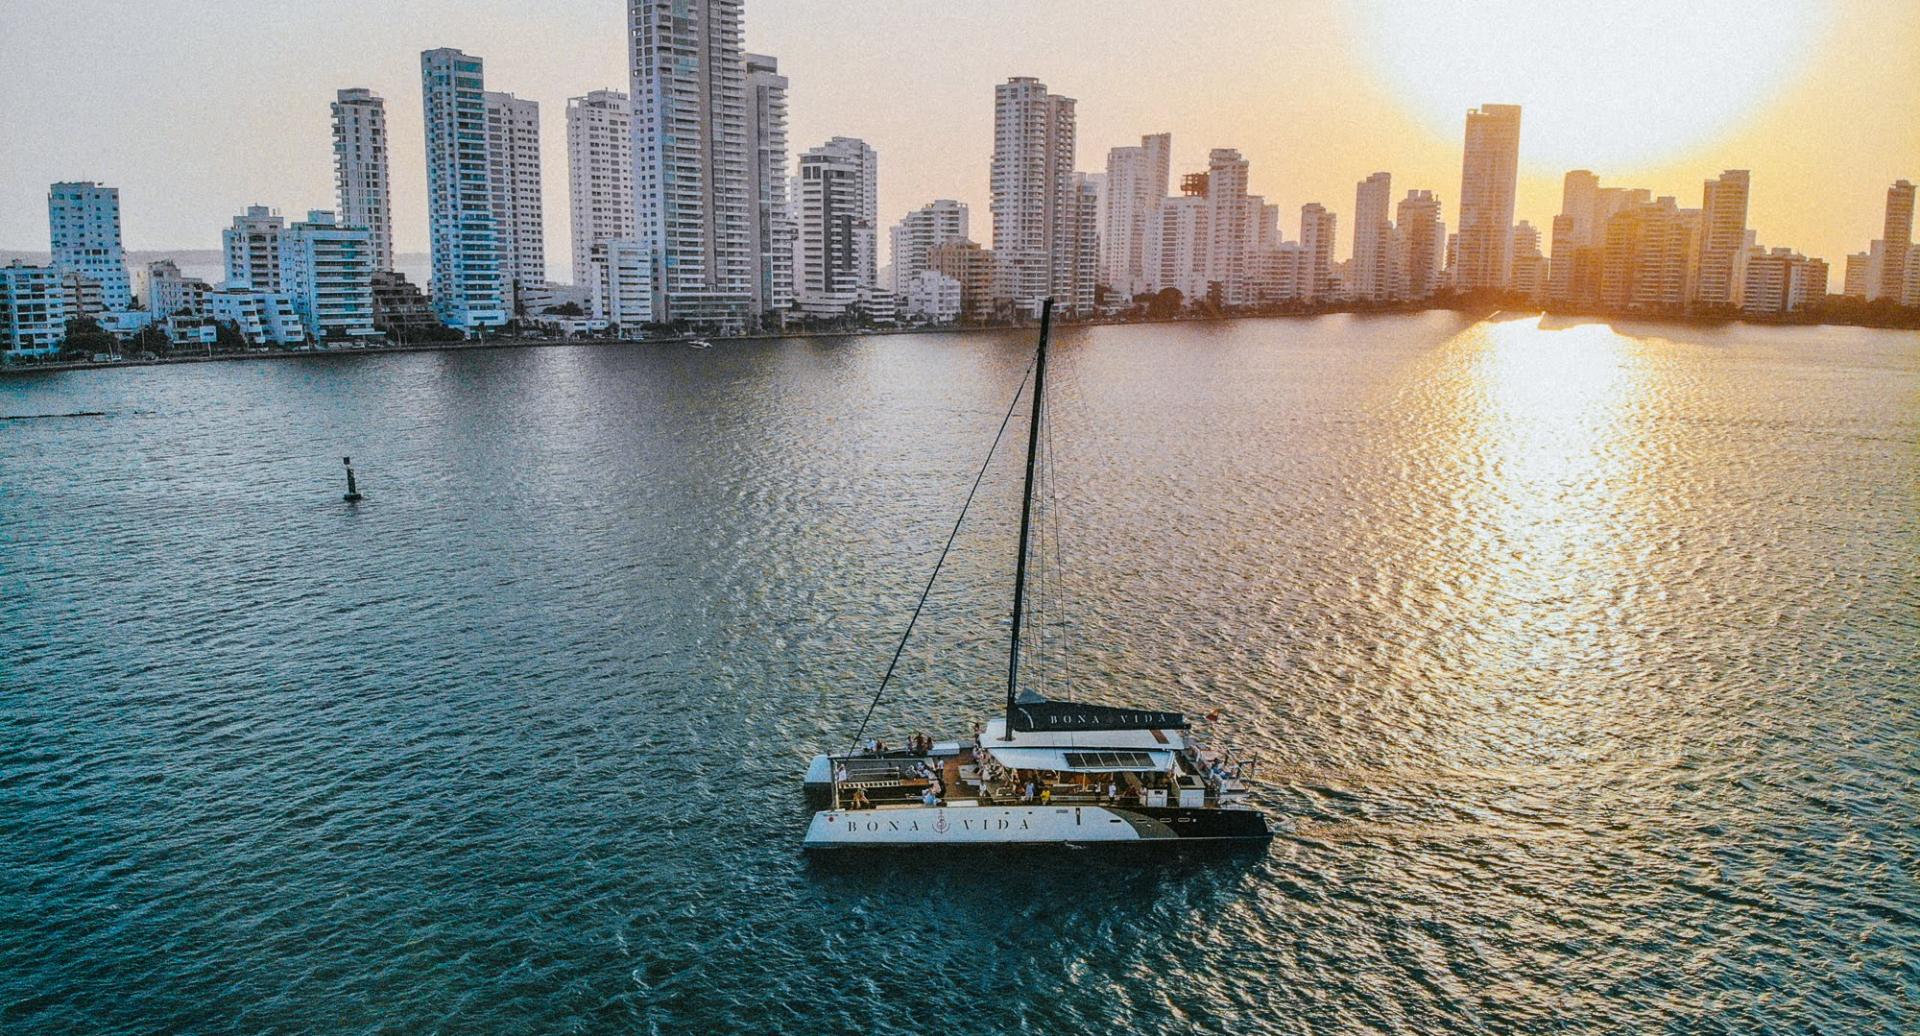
(1081, 760)
(1035, 713)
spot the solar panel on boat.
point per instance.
(1117, 760)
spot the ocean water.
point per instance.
(1584, 662)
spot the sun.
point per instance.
(1628, 84)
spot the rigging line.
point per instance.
(1059, 561)
(951, 536)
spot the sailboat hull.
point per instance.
(894, 827)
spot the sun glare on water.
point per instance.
(1621, 85)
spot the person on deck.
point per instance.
(859, 800)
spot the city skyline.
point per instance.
(934, 135)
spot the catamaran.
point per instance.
(1042, 772)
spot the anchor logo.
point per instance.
(940, 824)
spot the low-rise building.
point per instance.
(622, 284)
(400, 307)
(262, 317)
(933, 297)
(972, 266)
(1782, 281)
(33, 311)
(168, 292)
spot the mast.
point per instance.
(1026, 517)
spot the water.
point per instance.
(1584, 663)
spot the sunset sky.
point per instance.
(197, 108)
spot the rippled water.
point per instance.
(1585, 663)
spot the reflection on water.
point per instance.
(1582, 658)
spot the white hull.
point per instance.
(1020, 825)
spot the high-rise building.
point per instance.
(360, 168)
(1372, 238)
(599, 175)
(918, 233)
(1037, 227)
(252, 246)
(1136, 185)
(1230, 226)
(771, 232)
(1723, 241)
(1179, 243)
(1420, 241)
(1652, 256)
(169, 293)
(326, 270)
(1529, 266)
(33, 311)
(839, 205)
(1898, 237)
(513, 177)
(84, 220)
(1854, 285)
(1489, 172)
(470, 289)
(1317, 230)
(1782, 281)
(692, 207)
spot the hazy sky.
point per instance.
(197, 108)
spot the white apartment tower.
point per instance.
(599, 175)
(839, 211)
(1037, 229)
(252, 245)
(1372, 238)
(326, 270)
(1317, 230)
(771, 231)
(918, 233)
(1724, 237)
(513, 177)
(470, 288)
(692, 207)
(1229, 226)
(1136, 186)
(1489, 171)
(360, 168)
(84, 221)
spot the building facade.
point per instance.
(913, 239)
(1723, 241)
(839, 210)
(84, 221)
(1318, 227)
(326, 271)
(33, 311)
(692, 206)
(771, 231)
(360, 179)
(252, 246)
(513, 180)
(1420, 246)
(1489, 173)
(1036, 208)
(1897, 242)
(623, 289)
(1136, 186)
(469, 287)
(599, 174)
(1372, 278)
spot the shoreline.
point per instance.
(1490, 309)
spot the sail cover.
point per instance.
(1032, 712)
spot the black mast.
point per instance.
(1026, 517)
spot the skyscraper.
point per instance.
(1898, 237)
(1372, 238)
(360, 168)
(918, 233)
(1723, 241)
(599, 175)
(1230, 226)
(1420, 238)
(1489, 171)
(84, 224)
(470, 288)
(691, 207)
(1136, 185)
(1317, 230)
(1036, 224)
(326, 269)
(771, 231)
(513, 174)
(839, 207)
